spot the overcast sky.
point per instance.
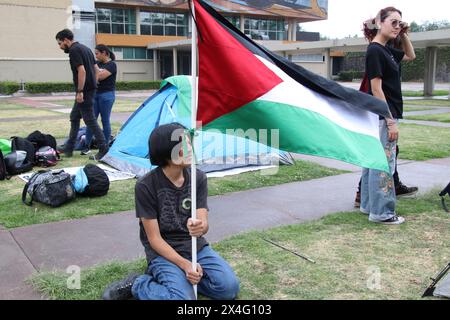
(345, 17)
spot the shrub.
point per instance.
(48, 87)
(137, 85)
(346, 76)
(9, 87)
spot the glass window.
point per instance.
(157, 30)
(145, 17)
(117, 28)
(103, 28)
(103, 15)
(132, 53)
(145, 29)
(128, 53)
(130, 29)
(117, 15)
(182, 31)
(116, 21)
(263, 29)
(140, 53)
(157, 18)
(160, 23)
(235, 21)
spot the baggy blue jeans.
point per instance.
(166, 281)
(377, 187)
(103, 103)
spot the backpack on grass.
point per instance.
(3, 172)
(91, 181)
(17, 162)
(53, 188)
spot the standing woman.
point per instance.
(106, 92)
(383, 71)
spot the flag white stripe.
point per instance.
(293, 93)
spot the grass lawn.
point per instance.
(427, 103)
(414, 108)
(120, 105)
(121, 194)
(420, 143)
(59, 128)
(355, 259)
(420, 93)
(443, 117)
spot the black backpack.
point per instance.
(17, 162)
(3, 173)
(442, 194)
(23, 144)
(53, 188)
(98, 181)
(42, 140)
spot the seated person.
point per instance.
(163, 206)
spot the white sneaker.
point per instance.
(392, 221)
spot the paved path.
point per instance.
(103, 238)
(426, 123)
(437, 110)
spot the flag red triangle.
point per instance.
(230, 75)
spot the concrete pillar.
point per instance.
(242, 23)
(328, 64)
(155, 65)
(175, 61)
(294, 30)
(430, 70)
(289, 33)
(138, 21)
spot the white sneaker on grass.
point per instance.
(392, 221)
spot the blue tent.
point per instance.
(215, 151)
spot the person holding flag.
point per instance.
(163, 206)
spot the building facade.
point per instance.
(134, 30)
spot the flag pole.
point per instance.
(193, 126)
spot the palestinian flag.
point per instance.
(242, 85)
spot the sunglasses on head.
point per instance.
(398, 23)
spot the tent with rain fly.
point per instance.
(215, 151)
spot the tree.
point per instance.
(429, 26)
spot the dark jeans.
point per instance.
(85, 111)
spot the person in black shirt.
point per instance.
(383, 72)
(105, 96)
(85, 80)
(163, 206)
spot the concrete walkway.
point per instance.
(103, 238)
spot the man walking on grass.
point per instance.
(82, 63)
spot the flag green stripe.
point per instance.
(307, 132)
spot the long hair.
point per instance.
(104, 49)
(370, 28)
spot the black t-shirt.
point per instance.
(81, 55)
(384, 62)
(158, 198)
(108, 84)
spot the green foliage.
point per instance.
(48, 87)
(350, 75)
(137, 85)
(9, 87)
(429, 26)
